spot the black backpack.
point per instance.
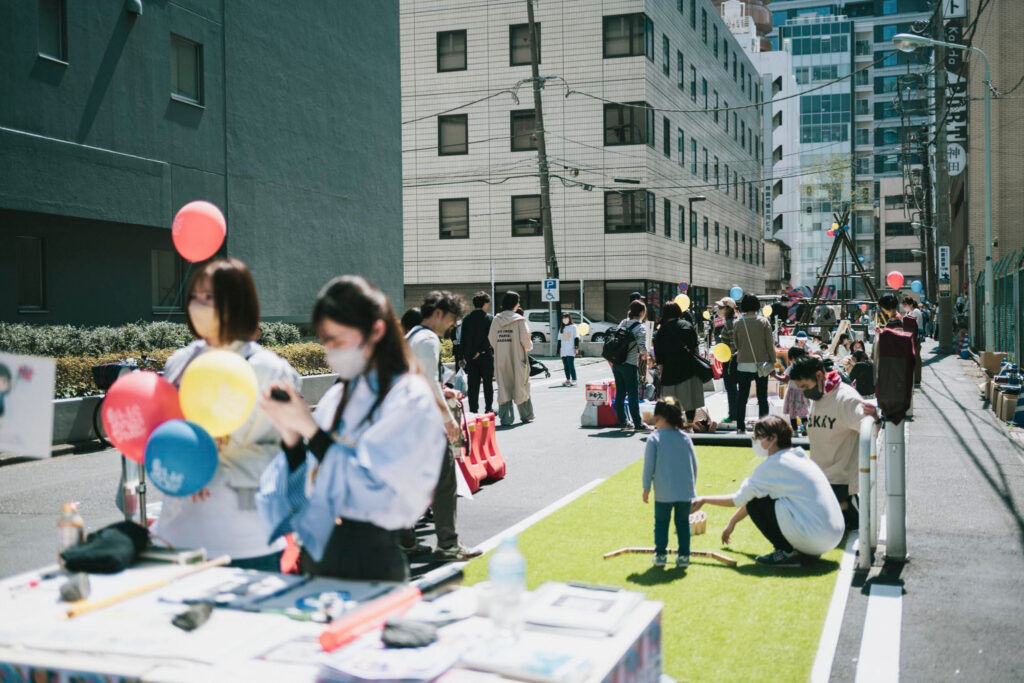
(618, 342)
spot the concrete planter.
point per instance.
(72, 417)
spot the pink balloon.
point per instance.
(198, 231)
(894, 279)
(136, 404)
(863, 307)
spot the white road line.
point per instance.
(834, 619)
(879, 658)
(516, 529)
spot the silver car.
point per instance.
(539, 322)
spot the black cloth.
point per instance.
(475, 328)
(762, 514)
(444, 505)
(743, 382)
(359, 551)
(408, 633)
(481, 371)
(863, 373)
(109, 550)
(674, 343)
(318, 445)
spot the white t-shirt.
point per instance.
(807, 510)
(833, 429)
(567, 340)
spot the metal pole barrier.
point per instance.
(873, 498)
(895, 487)
(865, 550)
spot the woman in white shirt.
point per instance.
(567, 336)
(223, 311)
(364, 465)
(787, 497)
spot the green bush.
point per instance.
(74, 373)
(67, 340)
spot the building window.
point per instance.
(628, 124)
(452, 134)
(743, 133)
(734, 66)
(668, 218)
(743, 189)
(726, 117)
(454, 223)
(705, 233)
(693, 156)
(693, 83)
(704, 25)
(681, 144)
(890, 7)
(727, 240)
(652, 222)
(716, 106)
(680, 72)
(718, 239)
(704, 91)
(863, 136)
(735, 127)
(736, 185)
(666, 143)
(666, 66)
(626, 211)
(735, 242)
(725, 51)
(693, 14)
(519, 45)
(451, 50)
(714, 40)
(899, 256)
(624, 35)
(727, 178)
(186, 70)
(682, 223)
(523, 130)
(53, 29)
(693, 230)
(168, 276)
(743, 245)
(717, 181)
(527, 220)
(31, 274)
(704, 153)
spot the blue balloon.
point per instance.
(181, 458)
(916, 286)
(736, 292)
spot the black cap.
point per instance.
(637, 296)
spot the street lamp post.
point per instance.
(693, 236)
(908, 42)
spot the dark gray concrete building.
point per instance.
(115, 113)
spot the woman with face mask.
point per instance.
(364, 465)
(223, 312)
(786, 496)
(567, 342)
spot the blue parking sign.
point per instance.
(549, 290)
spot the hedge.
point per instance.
(74, 373)
(68, 340)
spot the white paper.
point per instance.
(26, 404)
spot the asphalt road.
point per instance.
(547, 459)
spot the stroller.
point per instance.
(536, 368)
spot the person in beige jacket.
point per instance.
(755, 347)
(510, 339)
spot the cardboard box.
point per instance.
(1007, 407)
(991, 360)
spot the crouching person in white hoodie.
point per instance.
(787, 497)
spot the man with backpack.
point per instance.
(624, 348)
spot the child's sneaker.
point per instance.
(660, 560)
(682, 561)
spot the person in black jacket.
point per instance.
(477, 353)
(862, 375)
(674, 345)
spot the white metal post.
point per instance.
(895, 488)
(873, 498)
(866, 548)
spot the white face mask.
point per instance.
(204, 320)
(758, 448)
(346, 363)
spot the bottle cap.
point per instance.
(69, 508)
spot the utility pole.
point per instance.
(943, 229)
(927, 217)
(550, 261)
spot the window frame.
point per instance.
(642, 108)
(512, 116)
(465, 50)
(666, 53)
(62, 28)
(179, 281)
(680, 71)
(512, 45)
(637, 206)
(718, 239)
(452, 117)
(177, 42)
(666, 131)
(667, 210)
(38, 275)
(706, 246)
(517, 230)
(440, 218)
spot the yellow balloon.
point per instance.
(707, 315)
(766, 311)
(583, 329)
(722, 352)
(683, 301)
(218, 392)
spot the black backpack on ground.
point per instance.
(618, 342)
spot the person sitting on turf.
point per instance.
(787, 496)
(670, 463)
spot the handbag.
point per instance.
(702, 368)
(764, 368)
(716, 369)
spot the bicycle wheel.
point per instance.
(97, 424)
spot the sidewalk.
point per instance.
(963, 585)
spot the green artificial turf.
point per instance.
(719, 623)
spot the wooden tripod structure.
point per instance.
(842, 242)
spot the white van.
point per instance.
(539, 322)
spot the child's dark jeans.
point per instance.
(662, 514)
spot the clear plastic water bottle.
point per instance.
(507, 575)
(70, 530)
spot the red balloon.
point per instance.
(136, 404)
(894, 279)
(830, 233)
(198, 231)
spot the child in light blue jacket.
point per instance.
(670, 463)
